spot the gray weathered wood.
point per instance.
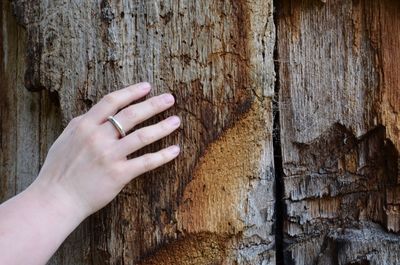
(339, 103)
(216, 58)
(337, 82)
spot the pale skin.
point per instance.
(85, 169)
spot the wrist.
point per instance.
(56, 202)
(38, 218)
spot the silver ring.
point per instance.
(117, 125)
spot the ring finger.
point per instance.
(132, 115)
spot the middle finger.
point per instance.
(147, 135)
(131, 116)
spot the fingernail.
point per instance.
(174, 120)
(168, 98)
(175, 149)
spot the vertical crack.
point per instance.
(279, 189)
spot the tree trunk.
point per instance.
(339, 103)
(212, 205)
(289, 143)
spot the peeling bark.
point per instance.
(340, 137)
(216, 58)
(333, 154)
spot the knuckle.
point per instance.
(145, 138)
(93, 142)
(117, 171)
(75, 121)
(105, 156)
(81, 126)
(164, 126)
(116, 174)
(155, 103)
(148, 162)
(110, 99)
(129, 113)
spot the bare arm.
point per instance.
(85, 169)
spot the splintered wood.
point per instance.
(216, 58)
(337, 82)
(339, 103)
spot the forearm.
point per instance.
(33, 225)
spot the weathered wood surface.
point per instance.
(30, 122)
(215, 203)
(339, 83)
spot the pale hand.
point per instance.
(85, 169)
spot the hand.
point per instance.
(87, 166)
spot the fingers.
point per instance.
(116, 100)
(147, 135)
(151, 161)
(137, 113)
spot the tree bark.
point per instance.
(215, 203)
(339, 103)
(289, 142)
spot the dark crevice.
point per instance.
(279, 189)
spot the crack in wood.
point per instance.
(277, 151)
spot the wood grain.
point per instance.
(216, 58)
(339, 130)
(337, 83)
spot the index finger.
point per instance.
(114, 101)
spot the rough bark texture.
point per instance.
(212, 205)
(339, 102)
(30, 122)
(335, 148)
